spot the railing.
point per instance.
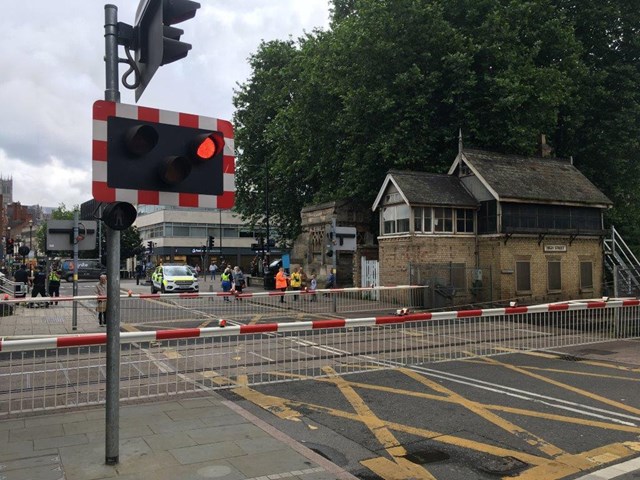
(622, 262)
(67, 371)
(156, 310)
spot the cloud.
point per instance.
(52, 70)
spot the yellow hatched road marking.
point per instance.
(404, 468)
(559, 370)
(571, 388)
(500, 408)
(595, 363)
(432, 435)
(483, 412)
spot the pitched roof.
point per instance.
(534, 178)
(432, 189)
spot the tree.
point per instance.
(391, 82)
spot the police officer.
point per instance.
(39, 280)
(54, 284)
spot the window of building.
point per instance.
(396, 219)
(464, 220)
(422, 219)
(586, 275)
(443, 219)
(402, 218)
(554, 279)
(523, 276)
(389, 220)
(418, 214)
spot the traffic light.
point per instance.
(148, 156)
(119, 215)
(10, 246)
(212, 241)
(158, 43)
(161, 157)
(150, 246)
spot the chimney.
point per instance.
(544, 150)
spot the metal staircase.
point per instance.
(620, 261)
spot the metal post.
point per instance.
(74, 313)
(112, 429)
(334, 307)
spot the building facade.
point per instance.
(496, 227)
(181, 235)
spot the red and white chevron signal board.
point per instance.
(119, 175)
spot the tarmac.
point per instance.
(198, 436)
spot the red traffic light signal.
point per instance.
(148, 156)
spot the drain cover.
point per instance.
(503, 465)
(426, 456)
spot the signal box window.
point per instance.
(586, 276)
(464, 220)
(554, 279)
(523, 276)
(443, 220)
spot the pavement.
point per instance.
(199, 436)
(194, 437)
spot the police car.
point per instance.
(173, 278)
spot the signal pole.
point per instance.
(112, 430)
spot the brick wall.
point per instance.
(502, 258)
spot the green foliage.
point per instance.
(392, 81)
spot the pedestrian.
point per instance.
(331, 280)
(213, 268)
(313, 285)
(296, 281)
(281, 283)
(39, 283)
(138, 273)
(22, 275)
(197, 267)
(238, 280)
(54, 283)
(101, 293)
(226, 282)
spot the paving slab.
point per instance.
(159, 441)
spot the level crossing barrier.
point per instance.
(156, 310)
(69, 371)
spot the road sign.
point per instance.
(60, 235)
(345, 238)
(162, 173)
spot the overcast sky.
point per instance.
(52, 70)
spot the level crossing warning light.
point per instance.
(148, 156)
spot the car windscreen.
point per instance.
(177, 271)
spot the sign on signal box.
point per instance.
(148, 156)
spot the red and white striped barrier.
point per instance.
(130, 294)
(225, 331)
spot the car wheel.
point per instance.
(153, 289)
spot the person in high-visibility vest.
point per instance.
(226, 282)
(54, 284)
(296, 281)
(281, 282)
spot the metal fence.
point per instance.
(68, 371)
(151, 310)
(452, 284)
